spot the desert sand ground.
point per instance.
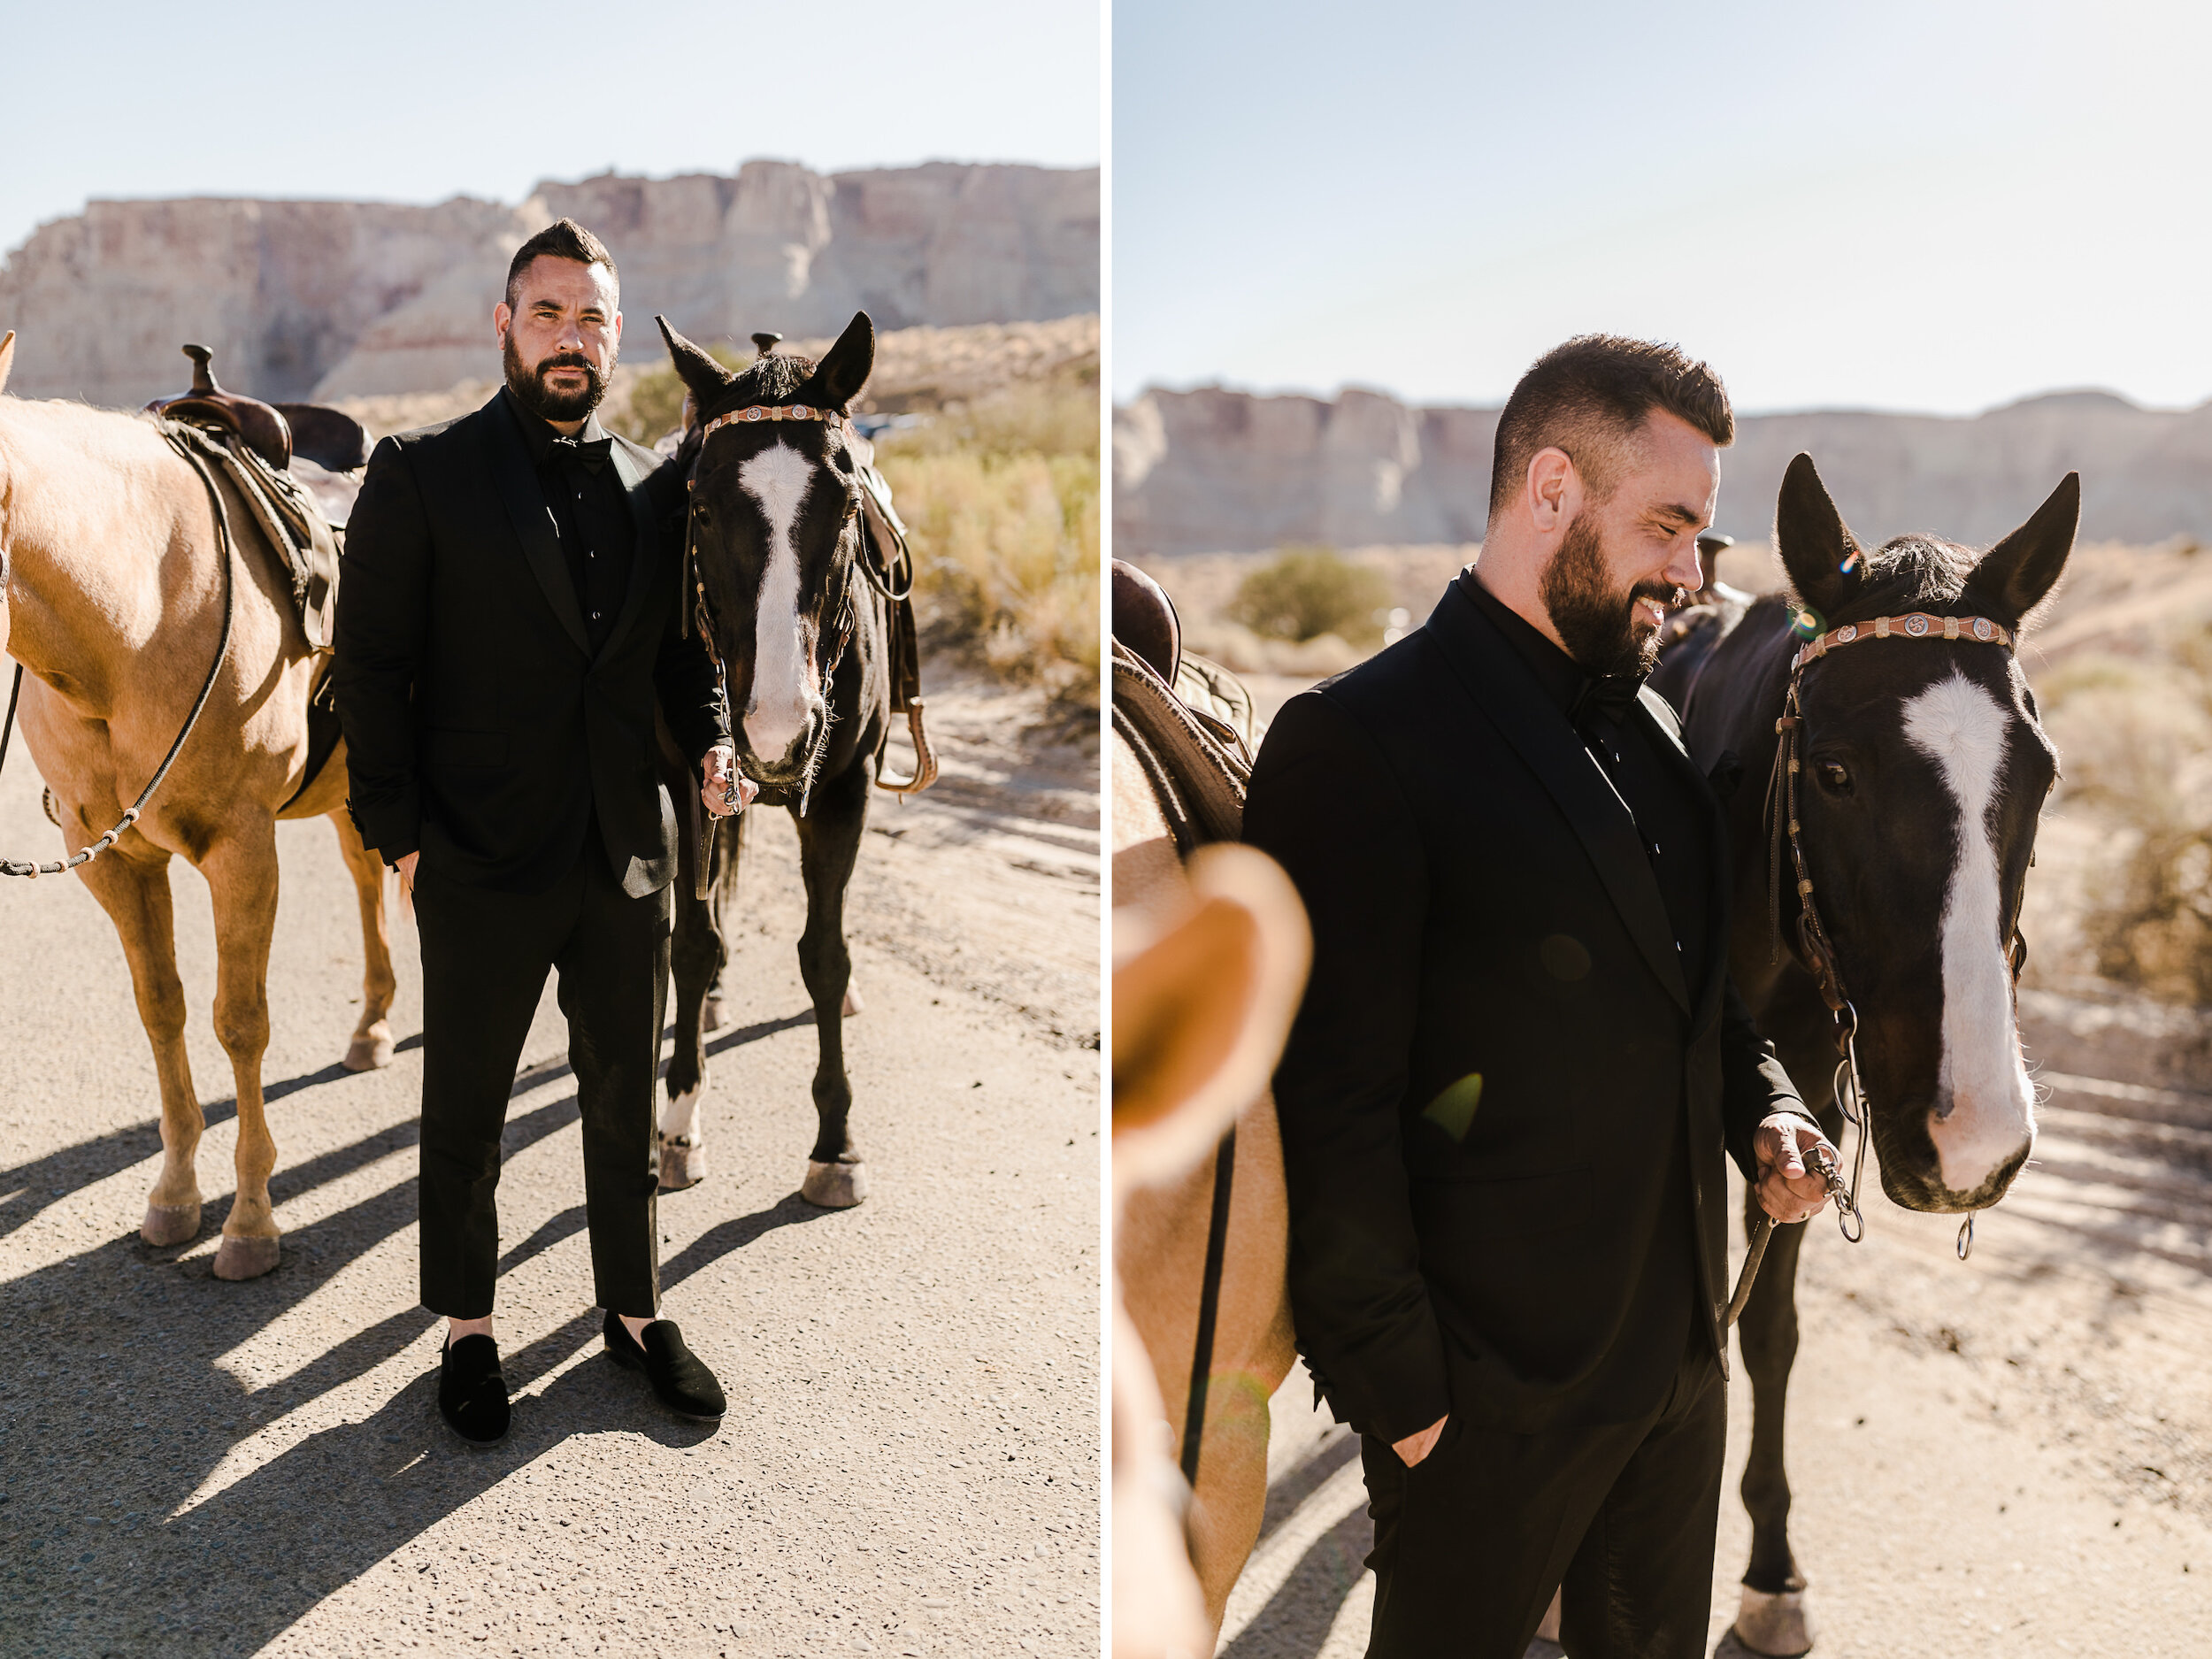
(910, 1465)
(2010, 1455)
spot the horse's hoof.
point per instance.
(710, 1014)
(834, 1186)
(244, 1258)
(367, 1054)
(683, 1164)
(1773, 1625)
(853, 1005)
(170, 1224)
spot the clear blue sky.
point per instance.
(1921, 204)
(407, 101)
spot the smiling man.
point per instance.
(507, 625)
(1519, 1062)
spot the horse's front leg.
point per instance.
(133, 887)
(829, 842)
(242, 877)
(371, 1044)
(1771, 1618)
(695, 957)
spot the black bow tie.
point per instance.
(592, 453)
(1609, 699)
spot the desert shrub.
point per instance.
(2136, 736)
(1306, 592)
(1000, 499)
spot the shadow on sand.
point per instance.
(116, 1406)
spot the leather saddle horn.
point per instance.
(260, 425)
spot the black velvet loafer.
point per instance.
(472, 1393)
(680, 1378)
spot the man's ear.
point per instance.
(503, 320)
(701, 373)
(844, 369)
(1813, 540)
(7, 359)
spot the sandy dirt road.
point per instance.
(2007, 1457)
(910, 1465)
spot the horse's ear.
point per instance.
(7, 359)
(844, 369)
(2023, 567)
(1813, 540)
(701, 373)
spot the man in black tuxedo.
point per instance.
(1519, 1060)
(507, 623)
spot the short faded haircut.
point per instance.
(564, 239)
(1589, 397)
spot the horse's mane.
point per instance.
(1908, 572)
(774, 379)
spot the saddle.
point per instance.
(1189, 722)
(294, 465)
(297, 467)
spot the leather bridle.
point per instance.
(701, 616)
(1816, 950)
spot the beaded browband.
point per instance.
(771, 411)
(1916, 625)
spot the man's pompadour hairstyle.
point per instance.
(1588, 397)
(564, 239)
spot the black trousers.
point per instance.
(1470, 1542)
(485, 957)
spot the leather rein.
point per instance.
(1815, 949)
(894, 582)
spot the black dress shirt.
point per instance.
(585, 496)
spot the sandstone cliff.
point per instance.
(335, 299)
(1218, 471)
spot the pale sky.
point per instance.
(412, 100)
(1935, 206)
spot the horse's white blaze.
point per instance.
(679, 1114)
(1985, 1112)
(784, 696)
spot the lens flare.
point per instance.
(1808, 625)
(1453, 1111)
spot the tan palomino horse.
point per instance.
(114, 606)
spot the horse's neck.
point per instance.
(98, 553)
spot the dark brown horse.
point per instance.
(803, 636)
(1891, 683)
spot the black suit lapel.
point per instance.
(1502, 687)
(520, 492)
(1717, 872)
(633, 478)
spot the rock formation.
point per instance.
(1218, 471)
(333, 299)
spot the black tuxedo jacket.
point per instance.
(1501, 1080)
(481, 729)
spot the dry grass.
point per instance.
(2126, 691)
(1001, 498)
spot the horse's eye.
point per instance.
(1834, 776)
(699, 511)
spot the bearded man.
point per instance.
(1519, 1061)
(507, 624)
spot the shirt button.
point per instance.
(594, 616)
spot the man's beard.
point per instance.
(1596, 621)
(531, 391)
